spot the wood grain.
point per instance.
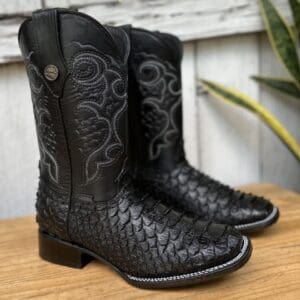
(273, 272)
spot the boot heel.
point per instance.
(59, 252)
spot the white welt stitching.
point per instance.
(268, 218)
(199, 273)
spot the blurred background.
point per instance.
(224, 41)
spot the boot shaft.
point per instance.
(78, 77)
(155, 94)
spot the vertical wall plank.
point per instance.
(228, 135)
(190, 103)
(18, 149)
(278, 164)
(19, 7)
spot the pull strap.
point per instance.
(48, 55)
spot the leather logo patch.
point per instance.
(51, 72)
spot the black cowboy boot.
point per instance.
(155, 94)
(87, 207)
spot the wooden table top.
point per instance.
(273, 271)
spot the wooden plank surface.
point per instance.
(273, 271)
(189, 19)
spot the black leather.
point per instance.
(160, 164)
(86, 195)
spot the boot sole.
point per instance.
(261, 224)
(65, 253)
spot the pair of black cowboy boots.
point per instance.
(114, 182)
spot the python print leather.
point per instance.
(134, 229)
(196, 192)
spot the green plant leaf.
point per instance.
(295, 7)
(283, 85)
(235, 97)
(281, 38)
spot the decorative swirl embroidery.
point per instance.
(100, 90)
(161, 90)
(45, 131)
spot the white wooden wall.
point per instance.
(222, 42)
(228, 142)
